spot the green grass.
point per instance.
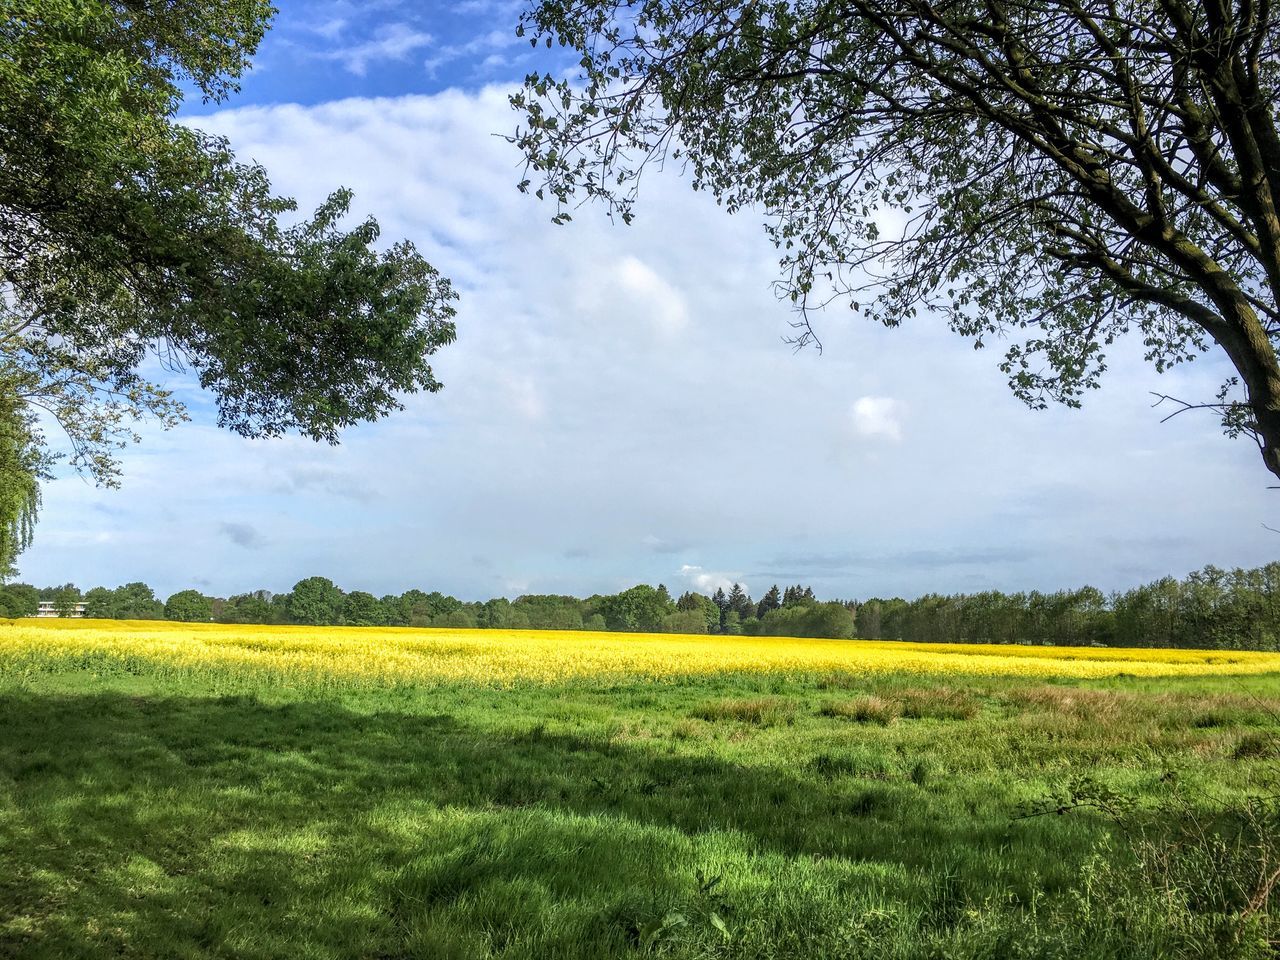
(843, 816)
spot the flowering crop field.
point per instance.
(399, 656)
(190, 791)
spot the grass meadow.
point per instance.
(257, 792)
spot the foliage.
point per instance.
(362, 609)
(808, 619)
(22, 466)
(315, 600)
(1055, 175)
(19, 600)
(190, 606)
(1211, 608)
(127, 235)
(639, 608)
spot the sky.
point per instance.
(621, 405)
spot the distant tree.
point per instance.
(722, 604)
(136, 601)
(65, 599)
(458, 619)
(832, 620)
(190, 606)
(100, 603)
(392, 611)
(19, 600)
(360, 609)
(740, 602)
(772, 600)
(551, 611)
(315, 601)
(595, 622)
(704, 605)
(640, 608)
(685, 621)
(493, 614)
(253, 607)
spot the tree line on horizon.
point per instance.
(1211, 608)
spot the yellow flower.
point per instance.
(388, 656)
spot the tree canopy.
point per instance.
(128, 238)
(1054, 173)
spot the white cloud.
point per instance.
(660, 302)
(708, 582)
(392, 41)
(877, 417)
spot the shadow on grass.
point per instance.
(174, 827)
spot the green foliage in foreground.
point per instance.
(744, 817)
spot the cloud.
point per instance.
(659, 545)
(241, 534)
(482, 50)
(877, 417)
(583, 449)
(660, 302)
(707, 581)
(391, 41)
(314, 478)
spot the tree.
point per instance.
(457, 618)
(740, 602)
(125, 235)
(685, 621)
(19, 600)
(704, 605)
(772, 600)
(65, 599)
(190, 606)
(1062, 173)
(361, 609)
(135, 601)
(253, 607)
(315, 601)
(641, 608)
(722, 604)
(22, 466)
(100, 603)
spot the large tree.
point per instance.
(1056, 173)
(131, 241)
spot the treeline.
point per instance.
(1211, 608)
(319, 601)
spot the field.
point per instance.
(189, 791)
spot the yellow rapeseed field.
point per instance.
(392, 656)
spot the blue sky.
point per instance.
(386, 48)
(620, 406)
